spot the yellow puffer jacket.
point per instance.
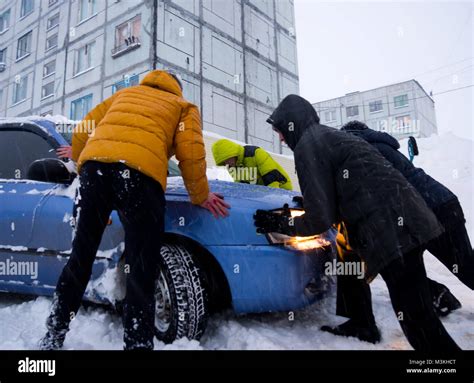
(143, 126)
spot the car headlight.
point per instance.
(297, 243)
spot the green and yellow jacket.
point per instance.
(255, 160)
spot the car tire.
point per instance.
(181, 299)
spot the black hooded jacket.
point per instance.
(435, 194)
(345, 179)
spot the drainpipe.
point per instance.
(154, 33)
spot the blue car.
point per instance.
(207, 264)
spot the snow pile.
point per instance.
(447, 158)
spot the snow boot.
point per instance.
(52, 341)
(367, 333)
(444, 301)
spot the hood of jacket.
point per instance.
(375, 137)
(224, 149)
(162, 80)
(292, 117)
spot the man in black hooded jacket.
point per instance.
(345, 179)
(452, 247)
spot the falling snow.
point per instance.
(447, 158)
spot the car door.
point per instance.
(20, 202)
(35, 216)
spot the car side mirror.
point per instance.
(49, 170)
(412, 148)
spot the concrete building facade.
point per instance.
(237, 58)
(403, 109)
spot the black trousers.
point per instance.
(411, 300)
(453, 248)
(140, 203)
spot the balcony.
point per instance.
(130, 44)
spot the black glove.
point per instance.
(270, 222)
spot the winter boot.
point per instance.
(52, 341)
(367, 333)
(444, 301)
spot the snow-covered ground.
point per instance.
(447, 158)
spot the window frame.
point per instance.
(403, 118)
(331, 113)
(43, 96)
(134, 43)
(49, 27)
(352, 107)
(89, 46)
(3, 55)
(2, 16)
(376, 102)
(23, 2)
(405, 97)
(30, 43)
(90, 14)
(15, 87)
(135, 78)
(80, 99)
(46, 48)
(51, 73)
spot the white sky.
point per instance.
(347, 46)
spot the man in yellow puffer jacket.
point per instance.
(122, 148)
(250, 164)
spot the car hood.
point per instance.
(261, 196)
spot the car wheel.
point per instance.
(181, 300)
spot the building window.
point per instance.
(80, 107)
(1, 98)
(23, 48)
(53, 21)
(52, 2)
(49, 68)
(125, 83)
(375, 106)
(3, 59)
(352, 111)
(52, 42)
(403, 122)
(47, 90)
(3, 55)
(330, 115)
(400, 101)
(19, 89)
(86, 9)
(26, 7)
(4, 21)
(83, 60)
(127, 36)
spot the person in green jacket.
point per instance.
(250, 164)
